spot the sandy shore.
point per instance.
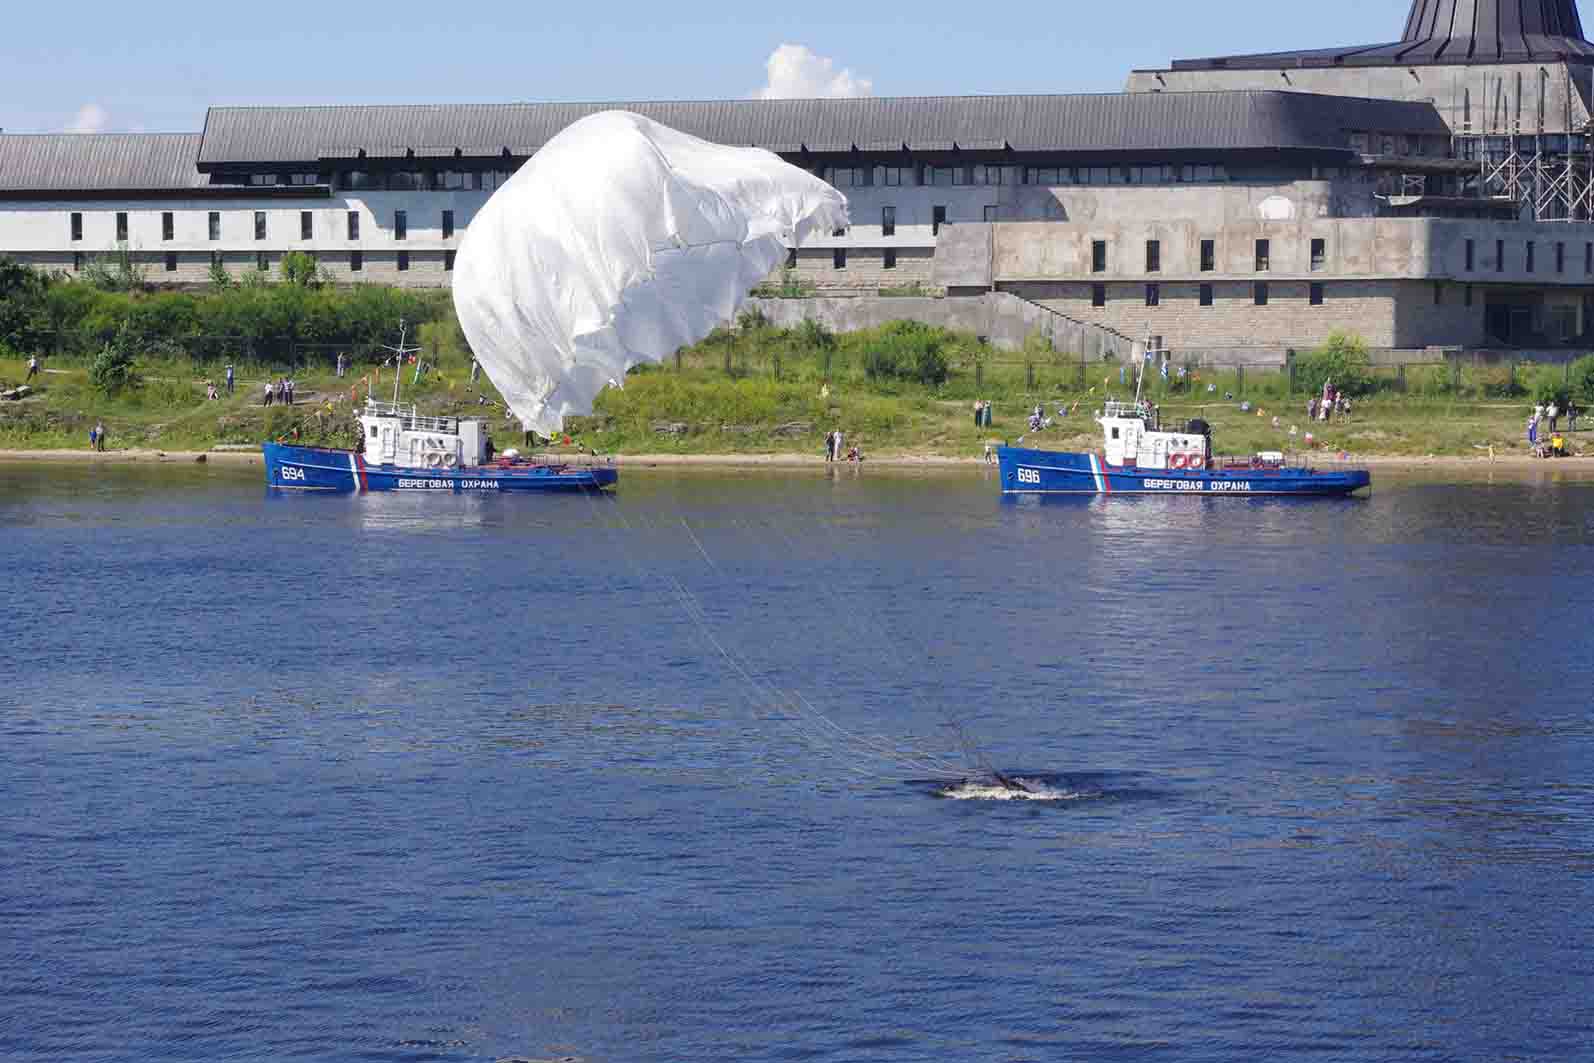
(251, 456)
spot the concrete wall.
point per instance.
(1496, 101)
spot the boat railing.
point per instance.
(410, 418)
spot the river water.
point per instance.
(656, 777)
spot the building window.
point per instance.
(263, 262)
(401, 225)
(1319, 254)
(448, 224)
(1261, 257)
(171, 262)
(1469, 253)
(213, 224)
(937, 219)
(1098, 256)
(851, 176)
(1588, 258)
(1466, 297)
(354, 225)
(357, 179)
(167, 225)
(1499, 256)
(838, 258)
(888, 258)
(1529, 260)
(77, 225)
(1209, 257)
(1153, 295)
(1259, 293)
(403, 261)
(888, 221)
(407, 181)
(1098, 295)
(121, 226)
(1153, 256)
(1438, 294)
(1206, 295)
(77, 261)
(451, 180)
(1560, 257)
(260, 225)
(893, 176)
(791, 258)
(215, 260)
(356, 261)
(990, 212)
(260, 180)
(448, 261)
(1314, 294)
(303, 179)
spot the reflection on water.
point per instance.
(655, 776)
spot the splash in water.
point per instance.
(999, 790)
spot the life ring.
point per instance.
(1175, 461)
(1194, 461)
(450, 460)
(434, 460)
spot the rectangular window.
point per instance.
(401, 225)
(1588, 258)
(121, 226)
(306, 225)
(888, 258)
(888, 221)
(1206, 295)
(1098, 295)
(990, 212)
(260, 180)
(215, 260)
(168, 225)
(263, 262)
(1319, 254)
(1259, 293)
(77, 261)
(171, 262)
(791, 258)
(1153, 295)
(354, 225)
(937, 219)
(1560, 257)
(1314, 295)
(1529, 260)
(1209, 257)
(77, 225)
(1467, 296)
(213, 223)
(891, 176)
(1261, 257)
(1469, 259)
(403, 261)
(1098, 256)
(838, 258)
(303, 179)
(448, 224)
(1153, 256)
(1438, 294)
(260, 225)
(448, 261)
(451, 180)
(1499, 256)
(356, 261)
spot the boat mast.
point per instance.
(399, 352)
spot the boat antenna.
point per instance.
(399, 354)
(1140, 369)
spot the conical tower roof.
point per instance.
(1449, 32)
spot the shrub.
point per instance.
(908, 350)
(1582, 379)
(1343, 360)
(114, 369)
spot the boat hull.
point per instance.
(1052, 472)
(292, 468)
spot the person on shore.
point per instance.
(210, 391)
(990, 452)
(99, 435)
(342, 364)
(1311, 408)
(229, 378)
(33, 367)
(830, 446)
(289, 387)
(979, 409)
(838, 444)
(854, 455)
(1571, 416)
(266, 399)
(1538, 412)
(475, 370)
(94, 438)
(1533, 433)
(1553, 412)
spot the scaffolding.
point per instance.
(1547, 175)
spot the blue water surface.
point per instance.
(656, 777)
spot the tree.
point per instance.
(220, 279)
(114, 368)
(299, 269)
(1341, 359)
(23, 315)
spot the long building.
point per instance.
(1430, 191)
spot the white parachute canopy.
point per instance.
(619, 242)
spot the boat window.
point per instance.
(373, 431)
(1115, 433)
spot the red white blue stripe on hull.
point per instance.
(1053, 472)
(292, 468)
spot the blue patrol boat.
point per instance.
(404, 451)
(1140, 457)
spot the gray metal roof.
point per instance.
(1085, 123)
(1446, 32)
(112, 162)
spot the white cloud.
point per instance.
(90, 118)
(797, 73)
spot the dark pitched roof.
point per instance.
(1447, 32)
(1084, 123)
(113, 162)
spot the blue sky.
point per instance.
(97, 65)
